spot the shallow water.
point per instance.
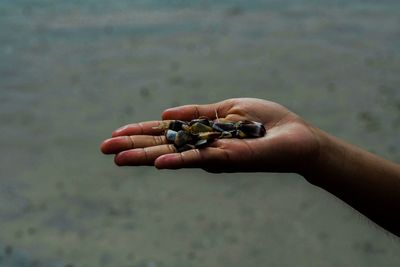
(71, 72)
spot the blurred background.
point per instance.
(73, 71)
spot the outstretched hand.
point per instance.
(365, 181)
(288, 146)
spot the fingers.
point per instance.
(120, 143)
(142, 156)
(194, 158)
(141, 128)
(189, 112)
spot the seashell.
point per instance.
(226, 134)
(224, 126)
(252, 129)
(170, 135)
(202, 120)
(199, 127)
(201, 143)
(208, 135)
(240, 134)
(182, 138)
(175, 125)
(202, 131)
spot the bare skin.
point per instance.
(365, 181)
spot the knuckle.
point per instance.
(191, 156)
(132, 140)
(146, 153)
(197, 154)
(196, 111)
(157, 140)
(171, 148)
(141, 127)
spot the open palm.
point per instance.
(289, 145)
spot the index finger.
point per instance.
(190, 112)
(141, 128)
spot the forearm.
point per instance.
(365, 181)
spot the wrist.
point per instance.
(327, 152)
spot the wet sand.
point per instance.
(71, 73)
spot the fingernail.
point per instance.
(121, 128)
(103, 146)
(116, 132)
(119, 159)
(173, 109)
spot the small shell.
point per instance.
(199, 127)
(202, 120)
(252, 129)
(208, 135)
(240, 134)
(170, 135)
(163, 125)
(175, 125)
(201, 143)
(182, 138)
(226, 134)
(224, 126)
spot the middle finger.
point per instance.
(143, 156)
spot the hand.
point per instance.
(289, 145)
(365, 181)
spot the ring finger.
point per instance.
(117, 144)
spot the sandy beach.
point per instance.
(71, 72)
